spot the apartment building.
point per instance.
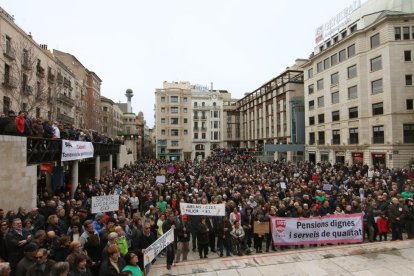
(111, 118)
(273, 115)
(359, 88)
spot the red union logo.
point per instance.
(280, 225)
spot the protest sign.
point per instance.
(202, 209)
(154, 249)
(283, 185)
(316, 230)
(261, 228)
(102, 204)
(76, 150)
(160, 179)
(327, 187)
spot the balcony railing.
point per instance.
(65, 99)
(65, 119)
(42, 150)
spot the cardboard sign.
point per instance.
(261, 228)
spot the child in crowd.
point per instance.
(383, 226)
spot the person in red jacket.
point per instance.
(383, 226)
(20, 121)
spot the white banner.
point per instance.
(160, 179)
(154, 249)
(202, 209)
(102, 204)
(76, 150)
(316, 230)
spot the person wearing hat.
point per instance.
(28, 259)
(183, 236)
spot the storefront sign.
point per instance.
(76, 150)
(315, 230)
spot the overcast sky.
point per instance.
(236, 44)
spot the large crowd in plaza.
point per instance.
(61, 236)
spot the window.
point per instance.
(185, 110)
(376, 86)
(397, 33)
(195, 104)
(185, 99)
(335, 97)
(162, 120)
(162, 131)
(353, 28)
(408, 133)
(375, 40)
(409, 104)
(319, 84)
(351, 51)
(311, 120)
(185, 132)
(6, 105)
(406, 33)
(343, 34)
(326, 63)
(174, 121)
(311, 105)
(175, 132)
(321, 101)
(342, 55)
(408, 79)
(311, 138)
(163, 99)
(376, 64)
(174, 110)
(162, 109)
(310, 73)
(336, 137)
(174, 99)
(352, 92)
(334, 78)
(185, 120)
(203, 135)
(321, 118)
(319, 67)
(321, 137)
(407, 55)
(352, 71)
(196, 135)
(335, 39)
(335, 116)
(334, 59)
(378, 135)
(310, 89)
(175, 143)
(353, 136)
(353, 112)
(377, 109)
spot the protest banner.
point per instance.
(155, 248)
(327, 187)
(261, 228)
(160, 179)
(102, 204)
(76, 150)
(202, 209)
(317, 230)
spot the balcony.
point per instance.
(9, 53)
(65, 119)
(40, 71)
(200, 140)
(196, 118)
(203, 118)
(10, 82)
(66, 100)
(203, 129)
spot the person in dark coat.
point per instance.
(396, 214)
(10, 124)
(43, 265)
(112, 265)
(183, 239)
(141, 242)
(79, 266)
(16, 239)
(28, 259)
(223, 236)
(202, 238)
(166, 226)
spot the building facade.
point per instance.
(359, 89)
(273, 114)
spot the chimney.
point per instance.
(211, 86)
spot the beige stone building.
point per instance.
(111, 118)
(359, 88)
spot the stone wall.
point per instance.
(18, 181)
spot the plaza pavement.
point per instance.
(378, 258)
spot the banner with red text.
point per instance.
(76, 150)
(317, 230)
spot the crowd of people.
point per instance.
(23, 125)
(62, 232)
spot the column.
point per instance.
(75, 174)
(118, 160)
(110, 163)
(98, 167)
